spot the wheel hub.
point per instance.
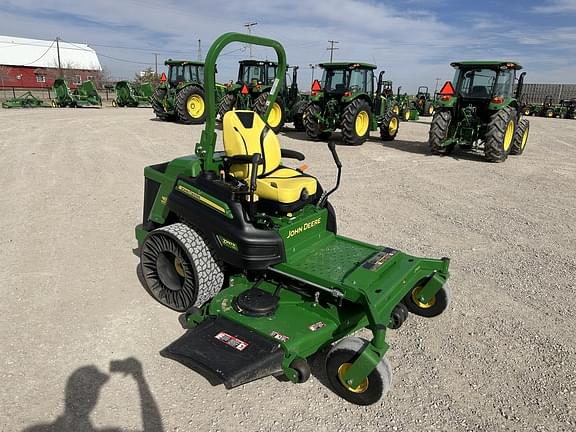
(195, 106)
(361, 388)
(416, 299)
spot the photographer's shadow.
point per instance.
(81, 396)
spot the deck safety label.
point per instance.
(232, 341)
(376, 261)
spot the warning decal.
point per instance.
(232, 341)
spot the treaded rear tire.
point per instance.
(439, 129)
(197, 277)
(348, 124)
(311, 122)
(226, 104)
(182, 105)
(520, 141)
(297, 116)
(156, 102)
(347, 351)
(386, 134)
(494, 146)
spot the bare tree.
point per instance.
(146, 76)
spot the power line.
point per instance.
(45, 52)
(332, 48)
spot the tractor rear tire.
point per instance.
(520, 137)
(277, 115)
(226, 104)
(311, 123)
(500, 135)
(439, 129)
(191, 105)
(356, 120)
(429, 109)
(297, 116)
(179, 267)
(157, 103)
(340, 358)
(389, 126)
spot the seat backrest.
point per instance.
(245, 133)
(479, 92)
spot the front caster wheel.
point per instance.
(434, 307)
(340, 359)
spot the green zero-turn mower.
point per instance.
(247, 249)
(481, 111)
(251, 91)
(130, 95)
(346, 100)
(84, 95)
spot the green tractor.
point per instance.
(567, 109)
(389, 100)
(180, 95)
(255, 79)
(423, 102)
(346, 100)
(130, 95)
(408, 111)
(84, 95)
(246, 249)
(481, 111)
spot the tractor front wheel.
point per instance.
(179, 268)
(439, 130)
(340, 359)
(191, 105)
(276, 116)
(434, 307)
(500, 135)
(429, 109)
(114, 103)
(356, 120)
(311, 123)
(520, 137)
(389, 126)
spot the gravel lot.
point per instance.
(502, 358)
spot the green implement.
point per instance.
(480, 110)
(84, 95)
(129, 95)
(246, 248)
(25, 100)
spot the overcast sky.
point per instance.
(413, 40)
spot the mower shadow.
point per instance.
(83, 391)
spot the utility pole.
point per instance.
(312, 66)
(58, 51)
(249, 26)
(332, 48)
(156, 65)
(199, 50)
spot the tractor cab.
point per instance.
(257, 73)
(184, 71)
(347, 79)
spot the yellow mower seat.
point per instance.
(245, 133)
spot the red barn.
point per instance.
(32, 63)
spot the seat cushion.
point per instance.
(285, 185)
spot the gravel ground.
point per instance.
(502, 358)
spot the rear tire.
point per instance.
(339, 359)
(157, 102)
(299, 108)
(179, 267)
(356, 120)
(520, 137)
(429, 109)
(500, 135)
(226, 104)
(277, 114)
(439, 129)
(311, 123)
(389, 126)
(191, 105)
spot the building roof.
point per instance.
(15, 51)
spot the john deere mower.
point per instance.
(130, 95)
(423, 102)
(246, 248)
(180, 95)
(481, 111)
(84, 95)
(26, 100)
(346, 100)
(251, 91)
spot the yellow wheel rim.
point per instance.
(407, 115)
(393, 126)
(527, 112)
(179, 267)
(508, 135)
(396, 109)
(422, 305)
(342, 373)
(275, 116)
(550, 114)
(524, 138)
(362, 123)
(195, 106)
(431, 110)
(114, 104)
